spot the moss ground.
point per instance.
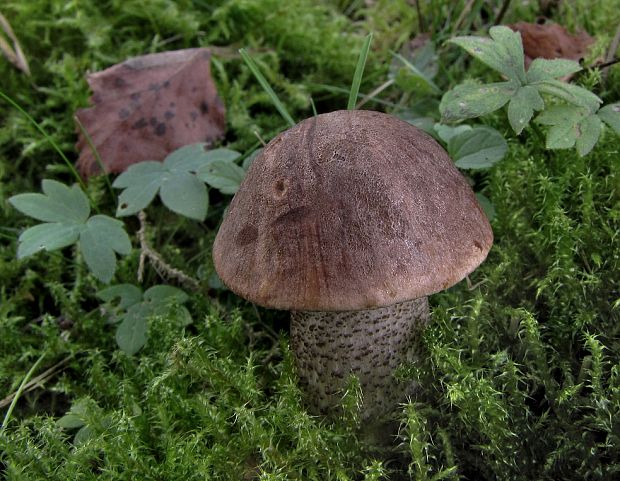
(522, 374)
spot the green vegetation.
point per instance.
(522, 374)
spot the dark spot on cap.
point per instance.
(167, 84)
(247, 235)
(168, 114)
(478, 245)
(119, 82)
(160, 129)
(194, 89)
(204, 107)
(153, 121)
(123, 114)
(135, 96)
(155, 87)
(171, 104)
(292, 216)
(140, 124)
(193, 115)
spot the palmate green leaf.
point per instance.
(487, 205)
(185, 194)
(58, 203)
(571, 126)
(128, 295)
(521, 107)
(131, 333)
(503, 52)
(479, 148)
(610, 114)
(570, 93)
(547, 69)
(136, 173)
(48, 236)
(188, 158)
(222, 175)
(139, 194)
(163, 293)
(467, 101)
(446, 132)
(99, 240)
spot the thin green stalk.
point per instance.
(93, 149)
(359, 72)
(47, 137)
(29, 374)
(263, 82)
(313, 107)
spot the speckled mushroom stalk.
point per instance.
(370, 344)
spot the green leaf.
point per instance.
(137, 196)
(60, 203)
(250, 158)
(503, 53)
(110, 232)
(162, 293)
(610, 114)
(127, 293)
(49, 237)
(83, 435)
(589, 130)
(222, 175)
(359, 72)
(70, 421)
(571, 93)
(547, 69)
(487, 205)
(188, 158)
(467, 101)
(131, 333)
(446, 132)
(478, 148)
(184, 194)
(412, 79)
(521, 107)
(98, 255)
(136, 173)
(222, 155)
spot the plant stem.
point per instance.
(19, 391)
(263, 82)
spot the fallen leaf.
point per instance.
(147, 107)
(550, 41)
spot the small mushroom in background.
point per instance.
(349, 220)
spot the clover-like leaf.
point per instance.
(569, 126)
(570, 93)
(185, 194)
(100, 238)
(521, 107)
(163, 293)
(224, 175)
(188, 158)
(446, 132)
(48, 237)
(487, 205)
(141, 183)
(504, 52)
(59, 203)
(478, 148)
(610, 114)
(131, 333)
(467, 101)
(547, 69)
(128, 295)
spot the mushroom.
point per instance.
(349, 220)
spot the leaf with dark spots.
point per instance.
(140, 109)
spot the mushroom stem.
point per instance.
(371, 344)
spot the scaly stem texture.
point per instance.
(371, 344)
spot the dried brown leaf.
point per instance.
(148, 106)
(551, 40)
(14, 53)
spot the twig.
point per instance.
(14, 54)
(466, 9)
(260, 139)
(164, 269)
(421, 25)
(502, 12)
(605, 64)
(611, 53)
(374, 93)
(37, 381)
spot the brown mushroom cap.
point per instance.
(350, 210)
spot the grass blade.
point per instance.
(359, 72)
(263, 82)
